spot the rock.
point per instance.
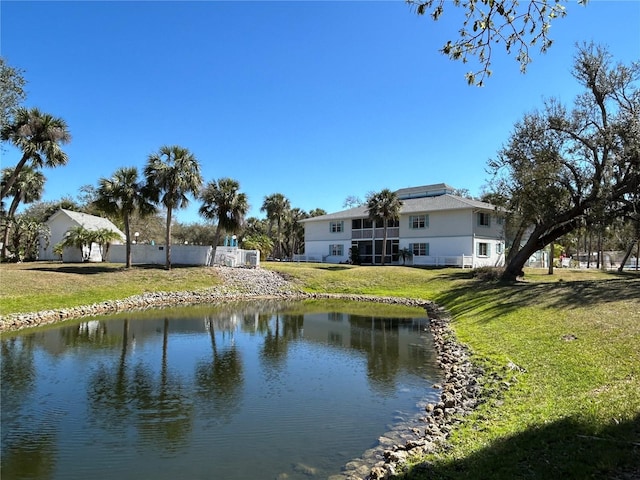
(305, 469)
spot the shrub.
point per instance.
(488, 274)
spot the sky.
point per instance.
(315, 100)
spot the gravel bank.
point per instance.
(238, 283)
(460, 393)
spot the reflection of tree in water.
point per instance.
(277, 337)
(17, 373)
(131, 396)
(111, 390)
(32, 454)
(220, 380)
(28, 447)
(378, 337)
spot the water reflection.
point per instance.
(156, 392)
(157, 405)
(219, 379)
(28, 442)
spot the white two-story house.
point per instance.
(435, 226)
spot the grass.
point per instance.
(572, 409)
(32, 287)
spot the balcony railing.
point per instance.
(392, 232)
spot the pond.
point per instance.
(247, 390)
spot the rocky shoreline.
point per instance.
(460, 392)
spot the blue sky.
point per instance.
(314, 100)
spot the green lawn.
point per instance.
(571, 411)
(574, 412)
(36, 286)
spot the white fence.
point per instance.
(156, 254)
(462, 261)
(236, 257)
(299, 257)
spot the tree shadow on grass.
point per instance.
(335, 268)
(96, 268)
(79, 269)
(565, 449)
(490, 299)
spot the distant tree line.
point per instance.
(567, 177)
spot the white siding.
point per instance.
(322, 231)
(319, 250)
(319, 238)
(442, 246)
(451, 232)
(494, 230)
(58, 226)
(495, 257)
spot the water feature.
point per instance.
(259, 390)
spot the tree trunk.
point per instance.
(551, 249)
(12, 178)
(167, 264)
(127, 234)
(627, 254)
(216, 238)
(5, 238)
(515, 245)
(599, 260)
(10, 215)
(538, 240)
(384, 243)
(279, 242)
(513, 270)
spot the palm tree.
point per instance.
(27, 188)
(294, 230)
(384, 206)
(276, 206)
(39, 136)
(172, 173)
(103, 237)
(317, 212)
(405, 254)
(79, 237)
(222, 201)
(123, 195)
(25, 236)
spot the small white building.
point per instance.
(61, 222)
(437, 227)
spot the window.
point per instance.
(356, 224)
(336, 227)
(500, 220)
(336, 250)
(484, 219)
(419, 249)
(483, 249)
(418, 221)
(499, 248)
